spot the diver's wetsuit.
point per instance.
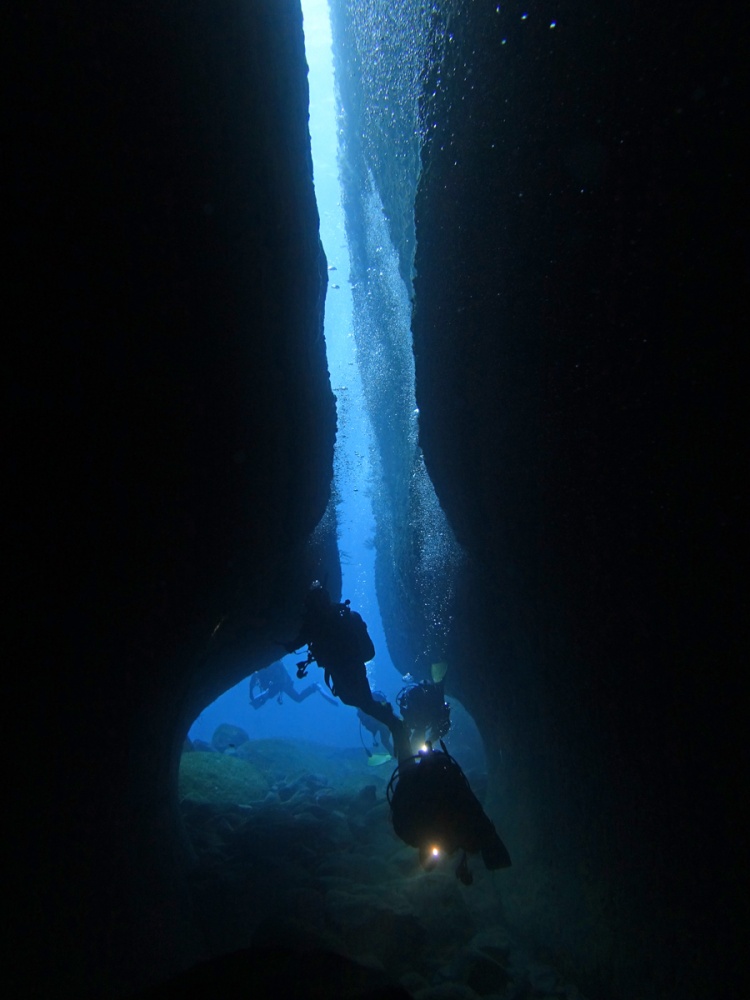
(336, 636)
(431, 800)
(379, 730)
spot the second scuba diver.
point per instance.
(274, 682)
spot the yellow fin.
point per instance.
(378, 758)
(439, 670)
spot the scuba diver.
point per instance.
(275, 682)
(426, 713)
(434, 809)
(381, 735)
(338, 640)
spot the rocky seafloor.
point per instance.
(293, 848)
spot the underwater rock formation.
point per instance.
(576, 301)
(581, 261)
(173, 443)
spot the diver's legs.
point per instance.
(352, 688)
(316, 688)
(381, 735)
(299, 696)
(383, 712)
(385, 738)
(324, 694)
(401, 744)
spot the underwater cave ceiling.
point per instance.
(175, 441)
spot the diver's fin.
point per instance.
(438, 671)
(376, 759)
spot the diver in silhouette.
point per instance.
(274, 682)
(426, 713)
(381, 734)
(338, 640)
(434, 809)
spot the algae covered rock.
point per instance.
(228, 737)
(220, 779)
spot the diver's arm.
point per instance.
(255, 682)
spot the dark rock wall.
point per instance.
(581, 269)
(172, 439)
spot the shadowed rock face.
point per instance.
(577, 274)
(281, 971)
(172, 440)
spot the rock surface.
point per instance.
(173, 443)
(582, 413)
